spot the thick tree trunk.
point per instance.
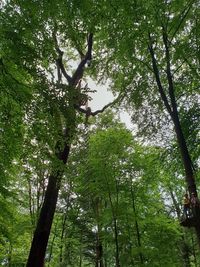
(184, 153)
(189, 175)
(52, 245)
(42, 232)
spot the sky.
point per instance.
(102, 97)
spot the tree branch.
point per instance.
(184, 13)
(85, 111)
(168, 70)
(59, 61)
(157, 76)
(62, 68)
(79, 71)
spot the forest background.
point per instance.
(78, 188)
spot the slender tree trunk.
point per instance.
(115, 231)
(99, 254)
(62, 237)
(171, 106)
(99, 247)
(185, 253)
(42, 232)
(64, 219)
(117, 261)
(130, 243)
(184, 152)
(136, 225)
(81, 256)
(116, 242)
(51, 246)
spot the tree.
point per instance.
(40, 36)
(154, 66)
(43, 105)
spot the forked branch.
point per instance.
(73, 81)
(88, 56)
(59, 61)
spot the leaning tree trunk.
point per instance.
(189, 174)
(42, 232)
(170, 103)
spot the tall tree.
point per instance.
(154, 42)
(40, 36)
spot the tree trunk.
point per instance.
(52, 245)
(62, 237)
(184, 152)
(117, 261)
(99, 246)
(116, 243)
(171, 106)
(189, 175)
(184, 248)
(136, 225)
(42, 232)
(99, 254)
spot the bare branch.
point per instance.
(59, 61)
(80, 52)
(60, 64)
(79, 71)
(85, 111)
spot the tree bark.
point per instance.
(42, 232)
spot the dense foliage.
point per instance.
(118, 192)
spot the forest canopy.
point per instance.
(78, 187)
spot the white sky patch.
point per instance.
(102, 97)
